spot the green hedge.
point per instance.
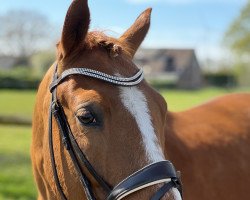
(8, 82)
(221, 79)
(19, 78)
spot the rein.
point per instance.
(156, 173)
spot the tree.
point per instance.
(41, 61)
(237, 36)
(23, 32)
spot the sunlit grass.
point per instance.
(179, 100)
(16, 180)
(17, 102)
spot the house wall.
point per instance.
(186, 72)
(191, 77)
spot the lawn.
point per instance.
(179, 100)
(16, 181)
(17, 102)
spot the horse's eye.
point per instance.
(86, 118)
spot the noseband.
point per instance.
(156, 173)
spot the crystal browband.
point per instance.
(121, 81)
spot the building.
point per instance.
(179, 66)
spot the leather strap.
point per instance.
(71, 145)
(51, 146)
(82, 157)
(52, 158)
(64, 130)
(163, 190)
(153, 174)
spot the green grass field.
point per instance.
(16, 181)
(21, 103)
(18, 103)
(179, 100)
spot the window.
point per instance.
(170, 64)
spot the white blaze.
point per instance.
(136, 103)
(176, 194)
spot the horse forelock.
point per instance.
(98, 39)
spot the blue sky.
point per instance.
(198, 24)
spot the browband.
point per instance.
(116, 80)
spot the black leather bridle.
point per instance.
(156, 173)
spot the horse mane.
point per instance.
(98, 39)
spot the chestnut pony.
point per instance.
(123, 129)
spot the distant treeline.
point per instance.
(215, 79)
(20, 78)
(8, 82)
(221, 79)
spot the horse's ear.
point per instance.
(75, 27)
(135, 35)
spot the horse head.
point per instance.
(108, 116)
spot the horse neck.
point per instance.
(175, 148)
